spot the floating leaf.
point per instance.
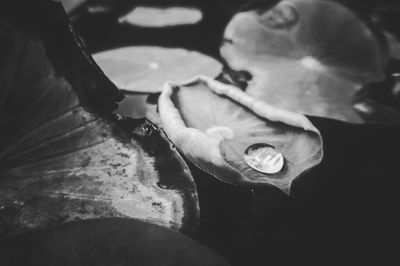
(63, 155)
(213, 125)
(147, 68)
(306, 56)
(162, 17)
(112, 241)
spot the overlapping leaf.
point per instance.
(215, 132)
(64, 156)
(307, 56)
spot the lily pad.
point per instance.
(162, 17)
(64, 155)
(107, 241)
(147, 68)
(306, 56)
(213, 125)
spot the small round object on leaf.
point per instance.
(264, 158)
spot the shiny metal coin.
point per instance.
(264, 158)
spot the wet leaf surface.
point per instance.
(64, 156)
(305, 56)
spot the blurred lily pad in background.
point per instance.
(147, 68)
(162, 17)
(306, 56)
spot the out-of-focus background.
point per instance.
(168, 30)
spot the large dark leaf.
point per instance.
(307, 56)
(64, 156)
(110, 241)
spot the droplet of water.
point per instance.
(264, 158)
